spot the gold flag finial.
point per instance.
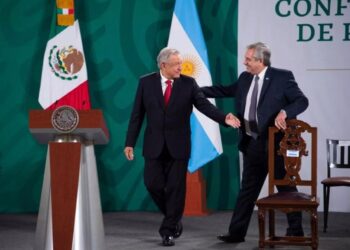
(65, 12)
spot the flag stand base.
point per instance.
(196, 200)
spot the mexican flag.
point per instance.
(64, 75)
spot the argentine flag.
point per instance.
(186, 36)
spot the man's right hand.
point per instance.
(129, 153)
(232, 121)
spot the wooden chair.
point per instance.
(292, 147)
(338, 156)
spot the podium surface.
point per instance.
(91, 126)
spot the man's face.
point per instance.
(172, 68)
(253, 65)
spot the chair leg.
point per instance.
(326, 193)
(314, 229)
(261, 219)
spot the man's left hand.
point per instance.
(280, 120)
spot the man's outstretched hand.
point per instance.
(232, 121)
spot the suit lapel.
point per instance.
(245, 88)
(266, 85)
(158, 90)
(174, 91)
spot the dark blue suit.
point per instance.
(279, 91)
(167, 140)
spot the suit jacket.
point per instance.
(169, 125)
(279, 91)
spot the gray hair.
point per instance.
(261, 52)
(164, 55)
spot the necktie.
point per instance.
(167, 92)
(252, 109)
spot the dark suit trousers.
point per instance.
(255, 169)
(165, 180)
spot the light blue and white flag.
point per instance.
(186, 36)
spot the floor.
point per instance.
(138, 230)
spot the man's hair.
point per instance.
(164, 55)
(261, 52)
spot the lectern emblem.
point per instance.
(65, 119)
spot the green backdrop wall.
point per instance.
(121, 40)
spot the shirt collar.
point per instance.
(262, 73)
(164, 79)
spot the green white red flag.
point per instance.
(64, 74)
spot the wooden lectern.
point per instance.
(70, 214)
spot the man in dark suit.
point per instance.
(167, 98)
(264, 96)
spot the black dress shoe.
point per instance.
(168, 241)
(178, 230)
(228, 238)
